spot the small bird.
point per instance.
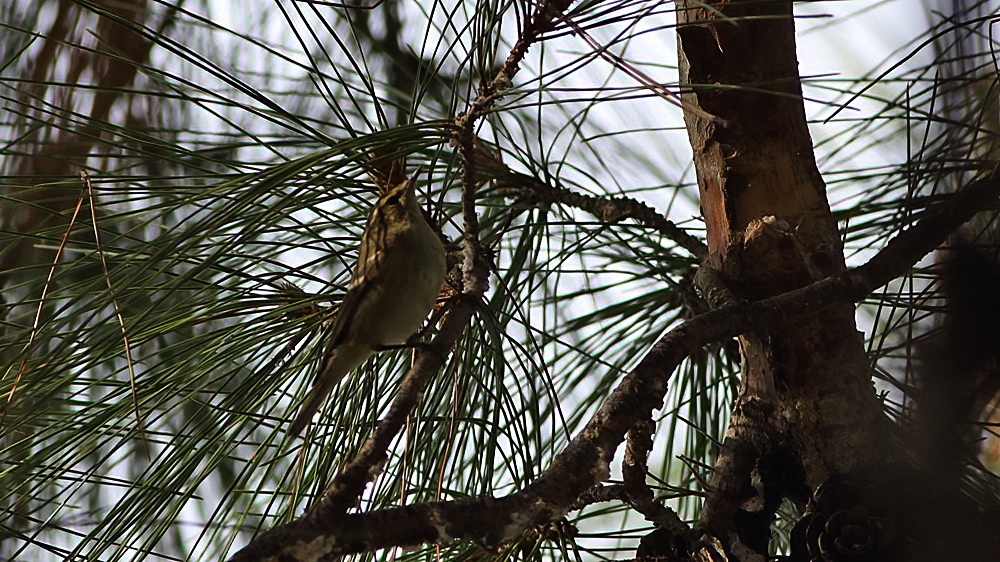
(400, 269)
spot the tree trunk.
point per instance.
(806, 398)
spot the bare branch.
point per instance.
(638, 444)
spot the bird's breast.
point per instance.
(412, 273)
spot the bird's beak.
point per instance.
(411, 183)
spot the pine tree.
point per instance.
(787, 348)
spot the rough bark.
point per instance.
(806, 398)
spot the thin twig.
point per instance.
(608, 209)
(612, 209)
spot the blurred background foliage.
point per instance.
(162, 315)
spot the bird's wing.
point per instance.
(374, 237)
(331, 370)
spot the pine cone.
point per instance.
(848, 520)
(895, 513)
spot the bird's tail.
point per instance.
(343, 359)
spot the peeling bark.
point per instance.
(770, 230)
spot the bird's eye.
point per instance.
(393, 199)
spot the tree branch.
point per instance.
(350, 482)
(639, 442)
(608, 209)
(612, 209)
(585, 461)
(348, 485)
